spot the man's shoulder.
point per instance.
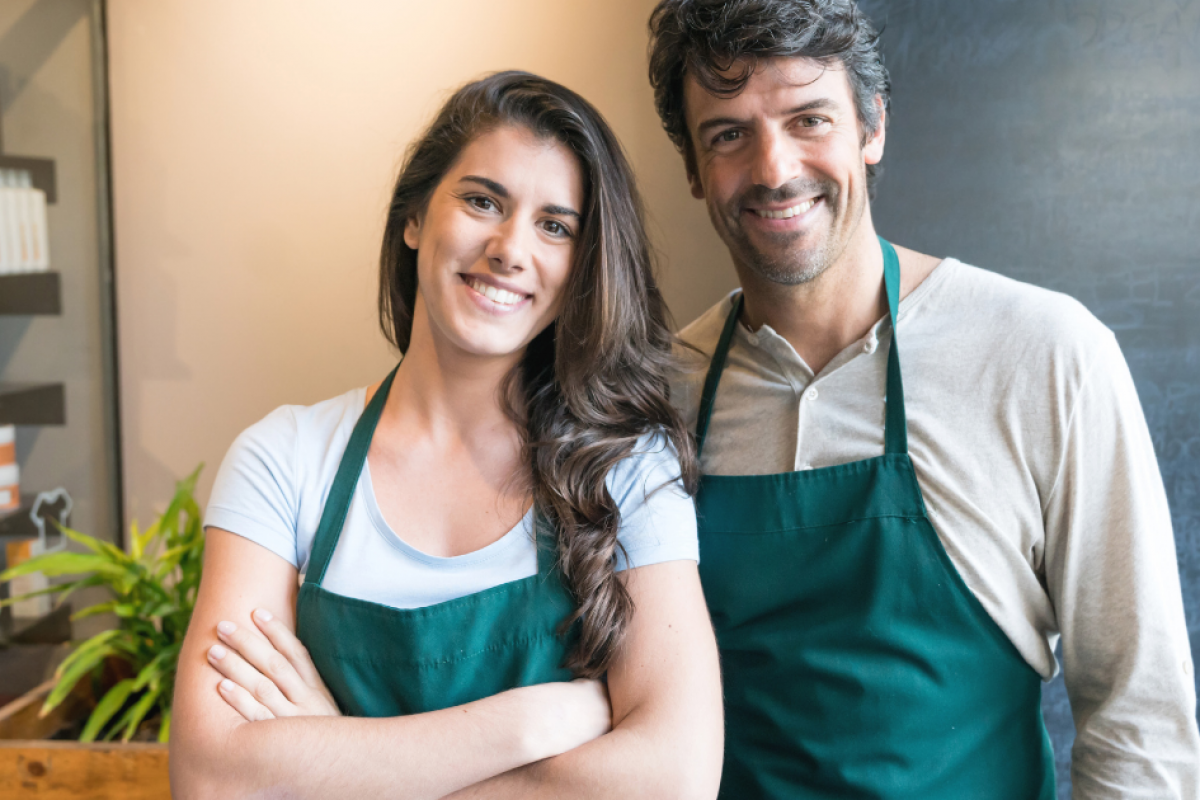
(693, 351)
(703, 332)
(1014, 314)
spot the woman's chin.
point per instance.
(490, 345)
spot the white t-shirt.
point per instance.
(272, 486)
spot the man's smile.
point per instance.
(788, 212)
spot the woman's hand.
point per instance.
(562, 716)
(268, 678)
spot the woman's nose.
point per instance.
(508, 248)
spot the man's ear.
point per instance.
(873, 146)
(696, 186)
(412, 231)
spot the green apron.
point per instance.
(380, 661)
(856, 662)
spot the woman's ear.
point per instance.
(412, 232)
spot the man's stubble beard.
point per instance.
(787, 266)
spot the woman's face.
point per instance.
(495, 245)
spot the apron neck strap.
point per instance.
(545, 540)
(715, 367)
(896, 432)
(337, 504)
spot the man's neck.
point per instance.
(824, 316)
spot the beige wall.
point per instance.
(254, 145)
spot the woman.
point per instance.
(506, 514)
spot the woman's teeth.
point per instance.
(787, 213)
(501, 296)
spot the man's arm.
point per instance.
(216, 753)
(1112, 575)
(667, 738)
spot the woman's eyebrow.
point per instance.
(489, 184)
(499, 190)
(562, 211)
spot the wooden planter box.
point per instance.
(33, 767)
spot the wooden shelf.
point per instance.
(31, 293)
(32, 404)
(16, 524)
(41, 170)
(53, 628)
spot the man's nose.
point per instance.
(774, 160)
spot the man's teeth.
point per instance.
(501, 296)
(787, 213)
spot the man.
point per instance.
(918, 474)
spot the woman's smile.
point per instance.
(493, 295)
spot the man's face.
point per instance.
(782, 167)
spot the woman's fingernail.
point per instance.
(262, 615)
(226, 627)
(216, 651)
(226, 685)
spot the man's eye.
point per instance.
(727, 136)
(812, 122)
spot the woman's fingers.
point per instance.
(263, 656)
(286, 643)
(260, 688)
(242, 701)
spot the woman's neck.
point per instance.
(446, 392)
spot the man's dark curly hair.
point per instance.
(705, 38)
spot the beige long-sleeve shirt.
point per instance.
(1036, 466)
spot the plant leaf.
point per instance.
(111, 607)
(99, 640)
(53, 564)
(62, 587)
(109, 704)
(135, 541)
(152, 671)
(164, 730)
(69, 677)
(114, 553)
(138, 713)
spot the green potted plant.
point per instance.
(153, 588)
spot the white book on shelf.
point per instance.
(41, 230)
(24, 224)
(9, 237)
(37, 253)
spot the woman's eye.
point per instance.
(556, 228)
(482, 203)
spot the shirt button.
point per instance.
(812, 394)
(870, 345)
(806, 466)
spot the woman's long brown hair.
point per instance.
(596, 380)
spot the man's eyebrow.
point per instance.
(820, 104)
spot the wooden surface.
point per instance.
(75, 771)
(31, 767)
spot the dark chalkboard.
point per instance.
(1058, 142)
